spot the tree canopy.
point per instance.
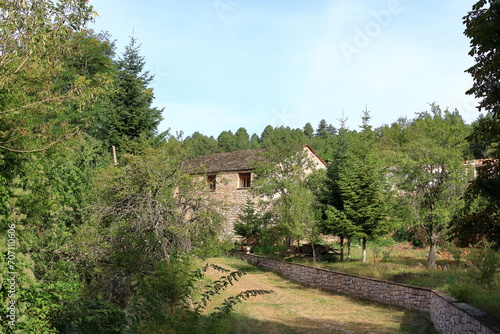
(129, 116)
(42, 93)
(480, 218)
(101, 247)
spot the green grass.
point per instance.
(405, 264)
(296, 309)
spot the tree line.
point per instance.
(407, 178)
(93, 246)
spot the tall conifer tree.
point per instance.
(356, 188)
(130, 117)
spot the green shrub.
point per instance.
(251, 225)
(485, 259)
(383, 242)
(461, 289)
(92, 316)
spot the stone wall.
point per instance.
(447, 315)
(227, 191)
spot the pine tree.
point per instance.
(250, 224)
(227, 141)
(355, 205)
(130, 117)
(198, 145)
(308, 130)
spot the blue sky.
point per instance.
(225, 64)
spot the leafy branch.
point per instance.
(229, 303)
(220, 285)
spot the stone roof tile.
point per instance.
(224, 162)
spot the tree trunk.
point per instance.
(114, 156)
(363, 257)
(314, 252)
(433, 235)
(431, 259)
(348, 248)
(342, 249)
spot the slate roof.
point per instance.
(224, 162)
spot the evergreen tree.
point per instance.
(254, 141)
(335, 221)
(251, 225)
(198, 145)
(130, 117)
(308, 130)
(356, 188)
(325, 130)
(242, 139)
(227, 141)
(266, 132)
(283, 136)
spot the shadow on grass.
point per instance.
(243, 266)
(413, 323)
(409, 261)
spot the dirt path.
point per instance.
(295, 309)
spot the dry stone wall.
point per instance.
(227, 191)
(448, 316)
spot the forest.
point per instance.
(91, 244)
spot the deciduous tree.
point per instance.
(432, 174)
(40, 105)
(481, 218)
(281, 178)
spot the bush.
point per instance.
(92, 316)
(461, 289)
(254, 227)
(485, 259)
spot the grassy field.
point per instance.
(295, 309)
(405, 264)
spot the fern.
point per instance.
(220, 285)
(228, 304)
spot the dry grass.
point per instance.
(407, 264)
(296, 309)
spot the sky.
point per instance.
(224, 64)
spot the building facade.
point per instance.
(229, 177)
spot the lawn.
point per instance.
(293, 308)
(403, 263)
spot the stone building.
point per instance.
(229, 177)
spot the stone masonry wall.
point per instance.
(448, 316)
(227, 191)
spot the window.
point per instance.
(212, 182)
(245, 180)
